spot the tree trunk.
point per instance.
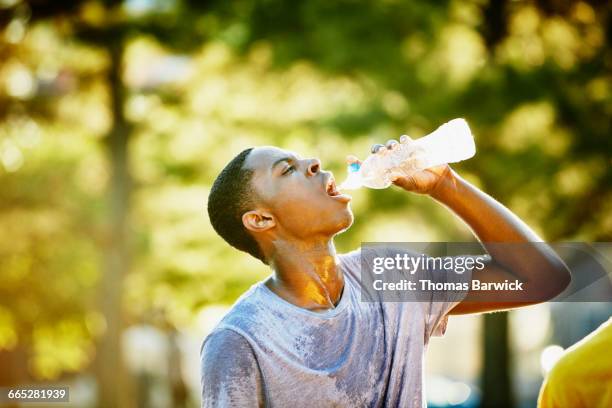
(178, 388)
(496, 376)
(112, 378)
(13, 370)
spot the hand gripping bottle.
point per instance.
(450, 143)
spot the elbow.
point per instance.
(557, 280)
(561, 275)
(566, 279)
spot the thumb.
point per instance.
(350, 159)
(407, 183)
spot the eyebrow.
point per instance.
(279, 161)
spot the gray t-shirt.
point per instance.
(269, 352)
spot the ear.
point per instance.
(258, 221)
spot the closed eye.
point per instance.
(289, 169)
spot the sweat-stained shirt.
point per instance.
(269, 352)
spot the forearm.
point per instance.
(493, 223)
(490, 220)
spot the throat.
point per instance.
(315, 299)
(327, 294)
(310, 280)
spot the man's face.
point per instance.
(301, 196)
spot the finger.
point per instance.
(377, 148)
(407, 183)
(391, 144)
(404, 139)
(350, 159)
(398, 181)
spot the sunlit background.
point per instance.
(115, 117)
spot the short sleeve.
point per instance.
(435, 305)
(230, 374)
(443, 301)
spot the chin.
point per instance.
(345, 222)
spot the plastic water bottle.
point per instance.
(450, 143)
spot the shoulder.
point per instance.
(351, 262)
(350, 259)
(354, 259)
(236, 323)
(368, 252)
(365, 257)
(225, 350)
(246, 310)
(223, 346)
(223, 339)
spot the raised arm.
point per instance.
(544, 274)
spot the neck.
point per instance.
(306, 274)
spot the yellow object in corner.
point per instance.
(583, 375)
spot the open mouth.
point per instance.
(332, 191)
(330, 187)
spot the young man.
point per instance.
(302, 337)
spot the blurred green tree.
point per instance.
(126, 153)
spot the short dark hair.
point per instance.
(231, 195)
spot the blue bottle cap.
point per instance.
(354, 167)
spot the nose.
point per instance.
(314, 167)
